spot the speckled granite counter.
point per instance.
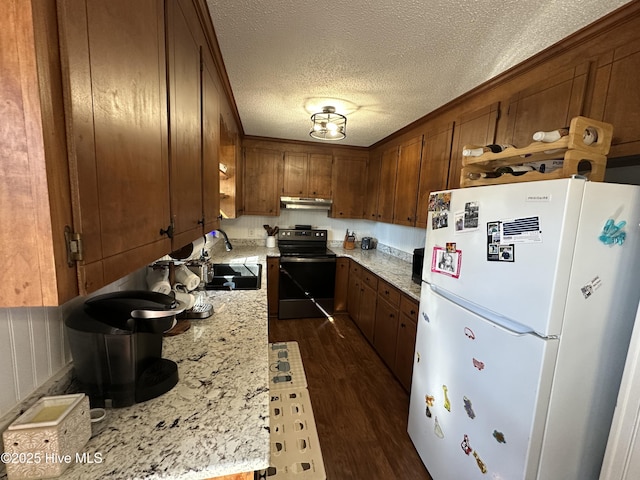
(214, 422)
(392, 269)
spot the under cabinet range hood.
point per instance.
(302, 203)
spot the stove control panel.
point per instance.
(302, 235)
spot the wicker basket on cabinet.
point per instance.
(571, 148)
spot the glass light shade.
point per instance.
(328, 125)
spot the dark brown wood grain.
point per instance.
(360, 409)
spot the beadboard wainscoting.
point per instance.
(33, 346)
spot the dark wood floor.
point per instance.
(359, 407)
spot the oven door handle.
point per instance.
(307, 260)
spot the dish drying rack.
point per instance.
(571, 149)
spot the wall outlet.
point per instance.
(252, 232)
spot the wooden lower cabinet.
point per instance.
(386, 317)
(386, 331)
(367, 317)
(342, 285)
(273, 274)
(406, 341)
(361, 299)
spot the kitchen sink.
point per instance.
(235, 276)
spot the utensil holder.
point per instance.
(271, 242)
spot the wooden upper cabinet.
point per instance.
(295, 174)
(474, 128)
(349, 175)
(319, 179)
(371, 187)
(387, 186)
(546, 105)
(262, 180)
(185, 122)
(307, 175)
(231, 175)
(406, 190)
(210, 145)
(436, 153)
(616, 97)
(35, 198)
(114, 76)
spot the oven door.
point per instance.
(306, 287)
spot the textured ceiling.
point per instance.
(384, 63)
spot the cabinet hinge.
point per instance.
(73, 240)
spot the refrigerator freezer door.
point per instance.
(474, 397)
(530, 285)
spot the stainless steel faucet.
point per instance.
(227, 243)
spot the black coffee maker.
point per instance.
(116, 345)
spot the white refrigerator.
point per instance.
(527, 305)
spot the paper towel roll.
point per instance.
(158, 280)
(187, 277)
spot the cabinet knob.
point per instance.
(168, 232)
(201, 221)
(402, 325)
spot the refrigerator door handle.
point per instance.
(504, 323)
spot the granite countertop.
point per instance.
(214, 422)
(390, 268)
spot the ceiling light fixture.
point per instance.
(328, 125)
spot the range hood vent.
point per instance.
(302, 203)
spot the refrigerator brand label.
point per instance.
(539, 198)
(521, 230)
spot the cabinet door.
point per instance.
(387, 186)
(353, 297)
(546, 105)
(273, 282)
(114, 76)
(348, 182)
(319, 175)
(406, 189)
(295, 174)
(386, 331)
(367, 317)
(230, 185)
(475, 128)
(616, 98)
(262, 173)
(405, 345)
(342, 285)
(210, 145)
(185, 124)
(371, 188)
(436, 153)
